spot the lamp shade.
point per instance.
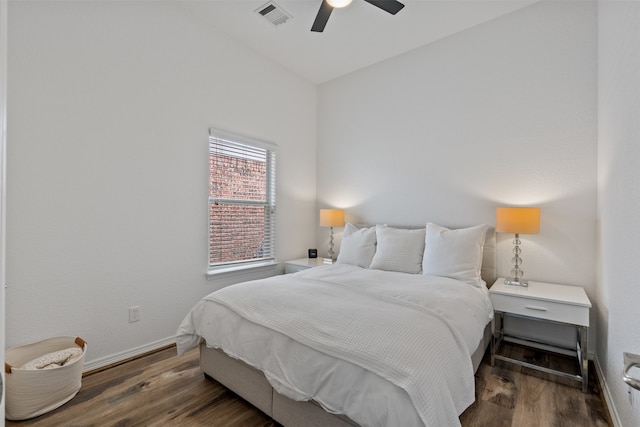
(518, 220)
(331, 217)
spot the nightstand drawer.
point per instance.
(541, 309)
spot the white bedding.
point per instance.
(383, 348)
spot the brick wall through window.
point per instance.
(236, 231)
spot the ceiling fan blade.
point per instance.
(322, 17)
(391, 6)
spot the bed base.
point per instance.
(250, 384)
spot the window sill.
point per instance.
(238, 270)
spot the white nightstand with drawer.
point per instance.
(567, 305)
(302, 264)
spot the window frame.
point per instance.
(270, 220)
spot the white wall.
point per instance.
(3, 117)
(619, 197)
(109, 109)
(501, 114)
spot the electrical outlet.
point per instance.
(134, 314)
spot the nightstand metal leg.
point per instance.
(496, 338)
(493, 341)
(584, 356)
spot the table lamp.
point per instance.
(331, 218)
(517, 221)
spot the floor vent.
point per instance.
(273, 13)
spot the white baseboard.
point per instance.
(127, 354)
(607, 393)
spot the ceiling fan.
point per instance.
(327, 6)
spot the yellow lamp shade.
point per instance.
(518, 220)
(331, 217)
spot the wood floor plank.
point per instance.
(162, 389)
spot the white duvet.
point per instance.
(383, 348)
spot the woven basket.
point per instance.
(30, 393)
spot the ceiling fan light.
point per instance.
(339, 3)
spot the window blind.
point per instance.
(242, 196)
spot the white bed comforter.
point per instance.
(382, 348)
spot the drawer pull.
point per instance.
(533, 307)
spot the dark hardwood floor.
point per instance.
(162, 389)
(512, 396)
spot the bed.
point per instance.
(389, 335)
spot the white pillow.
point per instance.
(399, 249)
(454, 253)
(358, 246)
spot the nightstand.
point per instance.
(302, 264)
(545, 302)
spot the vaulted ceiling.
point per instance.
(355, 36)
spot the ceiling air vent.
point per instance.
(273, 13)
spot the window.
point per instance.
(242, 196)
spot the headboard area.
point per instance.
(489, 264)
